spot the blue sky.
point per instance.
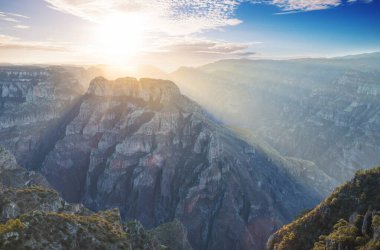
(184, 32)
(345, 29)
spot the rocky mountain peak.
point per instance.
(146, 89)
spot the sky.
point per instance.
(173, 33)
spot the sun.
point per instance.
(118, 38)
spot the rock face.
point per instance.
(16, 202)
(173, 235)
(144, 148)
(34, 105)
(14, 176)
(347, 219)
(305, 172)
(326, 111)
(36, 217)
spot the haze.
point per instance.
(124, 34)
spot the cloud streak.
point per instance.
(20, 26)
(295, 6)
(169, 16)
(11, 42)
(181, 17)
(310, 5)
(12, 20)
(11, 17)
(200, 45)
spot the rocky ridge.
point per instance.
(348, 219)
(143, 147)
(36, 217)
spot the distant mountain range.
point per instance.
(325, 111)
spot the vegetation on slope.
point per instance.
(347, 219)
(172, 234)
(37, 218)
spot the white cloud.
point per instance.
(11, 17)
(195, 51)
(17, 15)
(20, 26)
(365, 1)
(181, 16)
(12, 20)
(201, 45)
(6, 39)
(168, 16)
(11, 42)
(294, 6)
(300, 5)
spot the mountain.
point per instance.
(305, 172)
(143, 147)
(348, 219)
(324, 111)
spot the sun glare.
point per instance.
(118, 38)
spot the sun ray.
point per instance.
(118, 38)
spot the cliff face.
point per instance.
(326, 111)
(34, 102)
(13, 175)
(172, 234)
(348, 219)
(36, 217)
(143, 147)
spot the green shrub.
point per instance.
(11, 226)
(375, 221)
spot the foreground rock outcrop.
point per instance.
(36, 217)
(146, 149)
(15, 176)
(347, 219)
